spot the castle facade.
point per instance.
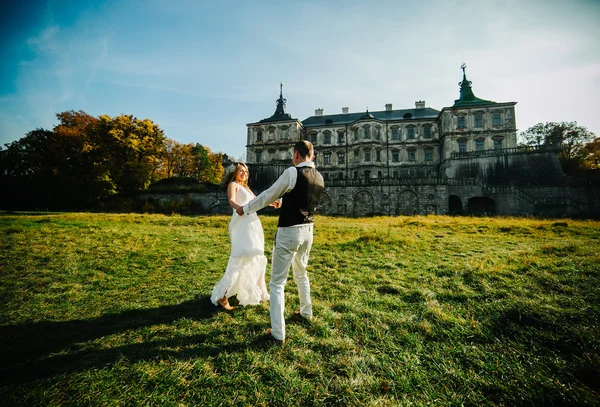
(462, 159)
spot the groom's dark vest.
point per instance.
(299, 204)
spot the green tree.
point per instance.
(132, 150)
(28, 172)
(569, 135)
(208, 166)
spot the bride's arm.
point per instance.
(231, 191)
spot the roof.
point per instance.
(347, 118)
(467, 97)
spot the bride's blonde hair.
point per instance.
(229, 174)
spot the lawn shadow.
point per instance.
(31, 351)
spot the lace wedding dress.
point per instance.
(245, 273)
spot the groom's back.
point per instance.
(299, 204)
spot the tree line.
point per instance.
(580, 148)
(85, 160)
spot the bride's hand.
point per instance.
(276, 204)
(240, 210)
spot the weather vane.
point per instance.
(463, 67)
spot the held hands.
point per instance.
(239, 209)
(276, 204)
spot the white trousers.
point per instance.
(292, 248)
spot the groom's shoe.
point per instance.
(269, 337)
(301, 317)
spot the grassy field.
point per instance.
(114, 310)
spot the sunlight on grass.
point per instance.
(113, 309)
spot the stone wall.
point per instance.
(519, 166)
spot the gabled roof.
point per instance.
(347, 118)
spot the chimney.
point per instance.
(388, 107)
(318, 112)
(420, 104)
(344, 110)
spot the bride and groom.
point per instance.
(297, 192)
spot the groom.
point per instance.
(301, 187)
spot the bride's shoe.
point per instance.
(224, 302)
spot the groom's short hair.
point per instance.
(304, 148)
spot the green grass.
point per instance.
(114, 310)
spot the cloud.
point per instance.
(46, 40)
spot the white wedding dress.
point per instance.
(245, 273)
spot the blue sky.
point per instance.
(202, 70)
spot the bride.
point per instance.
(245, 273)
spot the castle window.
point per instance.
(340, 158)
(271, 133)
(341, 175)
(479, 144)
(462, 146)
(313, 138)
(367, 132)
(325, 176)
(378, 133)
(410, 133)
(496, 119)
(428, 154)
(460, 122)
(367, 154)
(327, 138)
(395, 156)
(327, 158)
(258, 156)
(478, 121)
(367, 174)
(378, 155)
(411, 155)
(355, 174)
(497, 144)
(259, 136)
(356, 156)
(395, 134)
(355, 134)
(341, 137)
(427, 131)
(379, 174)
(283, 132)
(395, 174)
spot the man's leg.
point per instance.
(299, 265)
(285, 247)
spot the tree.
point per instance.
(82, 175)
(132, 150)
(591, 154)
(177, 160)
(208, 166)
(569, 135)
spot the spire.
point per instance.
(280, 113)
(367, 115)
(280, 110)
(466, 92)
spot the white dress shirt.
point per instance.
(284, 184)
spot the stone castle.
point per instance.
(462, 159)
